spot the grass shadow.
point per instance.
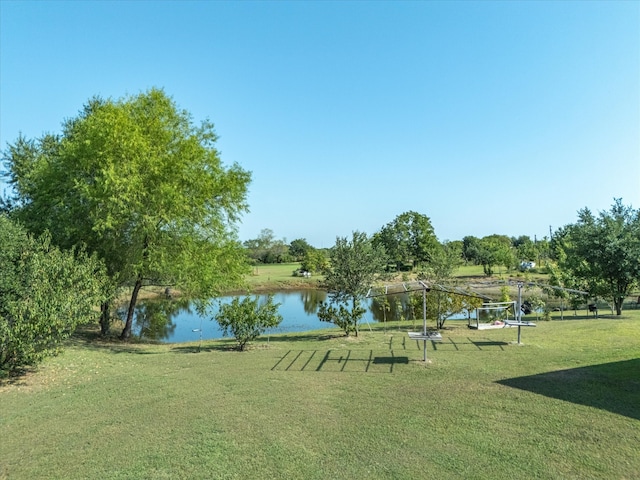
(215, 347)
(92, 339)
(614, 387)
(480, 344)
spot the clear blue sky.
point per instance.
(488, 117)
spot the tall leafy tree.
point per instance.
(45, 293)
(354, 265)
(408, 240)
(602, 252)
(142, 186)
(495, 250)
(471, 249)
(298, 248)
(440, 270)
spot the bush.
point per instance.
(45, 294)
(247, 319)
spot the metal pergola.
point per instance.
(424, 286)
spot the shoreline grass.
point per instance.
(566, 404)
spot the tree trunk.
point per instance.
(126, 332)
(618, 304)
(353, 309)
(105, 320)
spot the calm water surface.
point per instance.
(176, 321)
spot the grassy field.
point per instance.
(565, 404)
(274, 276)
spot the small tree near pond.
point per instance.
(353, 267)
(247, 319)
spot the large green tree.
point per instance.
(602, 252)
(45, 293)
(495, 250)
(298, 248)
(142, 186)
(408, 240)
(353, 267)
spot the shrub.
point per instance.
(45, 293)
(247, 319)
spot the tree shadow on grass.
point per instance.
(210, 347)
(90, 338)
(614, 386)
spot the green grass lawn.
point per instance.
(565, 404)
(279, 276)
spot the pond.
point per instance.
(175, 321)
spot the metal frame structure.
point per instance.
(415, 286)
(492, 306)
(421, 285)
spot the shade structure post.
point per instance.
(424, 311)
(519, 309)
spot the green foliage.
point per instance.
(504, 294)
(267, 249)
(247, 319)
(353, 267)
(137, 183)
(495, 250)
(408, 239)
(471, 250)
(298, 248)
(537, 303)
(341, 315)
(45, 293)
(601, 253)
(444, 261)
(314, 260)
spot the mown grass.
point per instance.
(565, 404)
(275, 275)
(279, 276)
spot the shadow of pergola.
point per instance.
(339, 361)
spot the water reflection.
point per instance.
(154, 319)
(407, 306)
(177, 321)
(311, 299)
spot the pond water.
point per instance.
(175, 321)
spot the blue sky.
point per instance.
(488, 117)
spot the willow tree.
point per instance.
(135, 181)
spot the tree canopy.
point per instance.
(600, 253)
(408, 240)
(142, 186)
